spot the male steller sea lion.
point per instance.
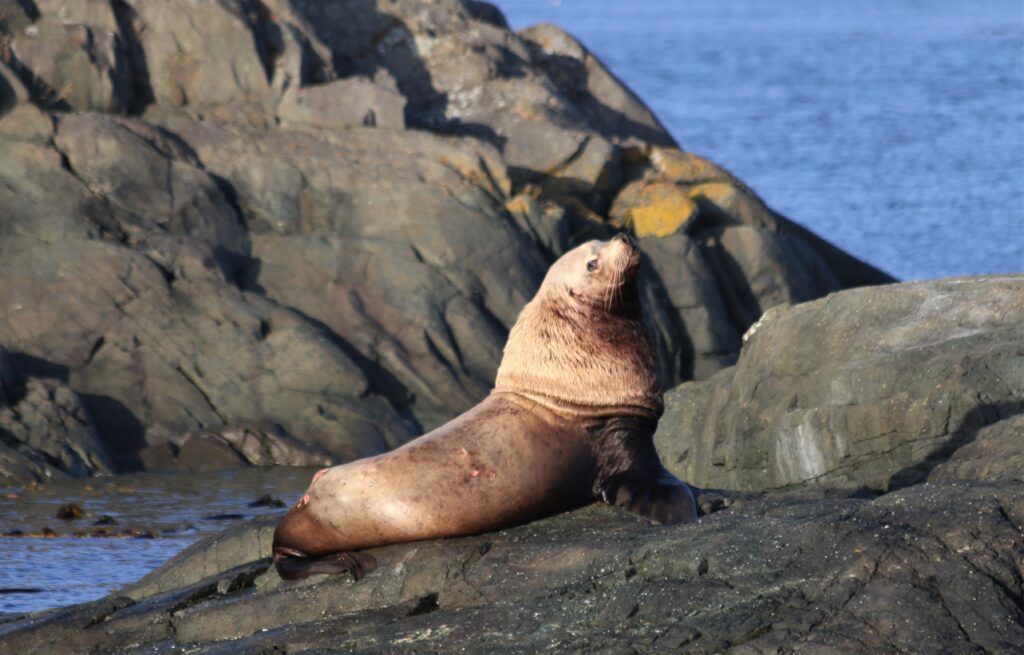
(571, 418)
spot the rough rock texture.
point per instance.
(46, 432)
(319, 219)
(995, 453)
(874, 387)
(933, 568)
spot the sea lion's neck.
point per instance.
(574, 411)
(580, 361)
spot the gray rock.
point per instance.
(71, 55)
(351, 102)
(204, 54)
(610, 107)
(934, 568)
(209, 558)
(232, 448)
(873, 386)
(150, 183)
(399, 242)
(12, 91)
(41, 198)
(162, 349)
(46, 433)
(996, 453)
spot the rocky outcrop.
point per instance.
(46, 432)
(318, 220)
(933, 568)
(880, 387)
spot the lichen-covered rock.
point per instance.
(652, 208)
(872, 387)
(934, 568)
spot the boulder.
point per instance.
(933, 568)
(995, 453)
(150, 184)
(204, 54)
(70, 54)
(868, 387)
(46, 433)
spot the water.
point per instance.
(176, 509)
(895, 129)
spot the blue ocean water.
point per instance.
(893, 128)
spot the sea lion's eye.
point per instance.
(592, 265)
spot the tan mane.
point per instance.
(579, 359)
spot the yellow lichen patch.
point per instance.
(528, 110)
(521, 204)
(674, 165)
(738, 203)
(653, 208)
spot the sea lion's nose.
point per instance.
(624, 238)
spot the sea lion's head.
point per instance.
(580, 347)
(598, 273)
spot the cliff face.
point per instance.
(316, 221)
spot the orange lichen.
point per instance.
(675, 165)
(653, 209)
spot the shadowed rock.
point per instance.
(46, 432)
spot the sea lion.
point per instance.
(571, 418)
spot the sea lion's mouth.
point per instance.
(623, 262)
(629, 259)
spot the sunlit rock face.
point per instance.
(874, 387)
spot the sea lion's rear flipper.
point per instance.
(630, 474)
(291, 565)
(663, 498)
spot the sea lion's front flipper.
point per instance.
(630, 474)
(294, 566)
(664, 498)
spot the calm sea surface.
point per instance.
(894, 129)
